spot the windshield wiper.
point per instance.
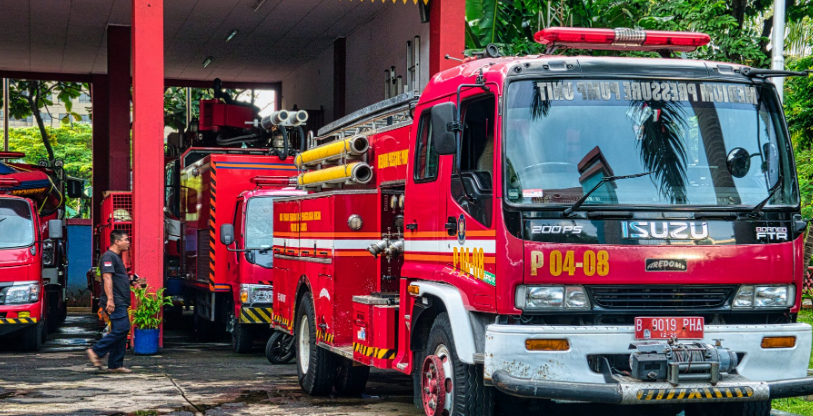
(767, 73)
(603, 180)
(757, 212)
(3, 219)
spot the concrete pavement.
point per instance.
(187, 378)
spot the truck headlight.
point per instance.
(765, 296)
(22, 292)
(48, 253)
(256, 293)
(532, 298)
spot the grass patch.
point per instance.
(798, 405)
(794, 405)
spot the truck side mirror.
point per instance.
(227, 234)
(55, 229)
(444, 130)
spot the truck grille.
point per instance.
(661, 297)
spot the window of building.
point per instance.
(84, 98)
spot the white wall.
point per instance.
(311, 85)
(371, 49)
(376, 46)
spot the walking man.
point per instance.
(115, 300)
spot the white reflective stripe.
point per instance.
(306, 243)
(448, 246)
(317, 243)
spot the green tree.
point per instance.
(30, 98)
(71, 144)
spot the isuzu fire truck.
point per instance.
(570, 228)
(216, 182)
(33, 258)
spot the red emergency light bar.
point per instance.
(9, 182)
(274, 180)
(11, 155)
(622, 39)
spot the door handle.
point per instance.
(412, 226)
(451, 226)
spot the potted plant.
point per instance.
(146, 319)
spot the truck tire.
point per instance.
(315, 366)
(242, 338)
(350, 379)
(204, 330)
(31, 338)
(52, 319)
(761, 408)
(462, 392)
(280, 348)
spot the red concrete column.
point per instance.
(118, 76)
(148, 139)
(101, 146)
(446, 33)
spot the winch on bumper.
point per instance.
(565, 374)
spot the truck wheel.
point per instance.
(449, 386)
(63, 313)
(203, 329)
(32, 337)
(351, 379)
(242, 338)
(53, 317)
(280, 348)
(761, 408)
(315, 365)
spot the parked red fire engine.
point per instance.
(570, 228)
(215, 183)
(33, 257)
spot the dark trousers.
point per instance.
(114, 342)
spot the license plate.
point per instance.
(686, 327)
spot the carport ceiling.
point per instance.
(274, 37)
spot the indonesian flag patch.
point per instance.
(108, 264)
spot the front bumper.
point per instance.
(256, 315)
(763, 374)
(629, 391)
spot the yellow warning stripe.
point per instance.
(16, 321)
(256, 315)
(282, 321)
(380, 353)
(704, 393)
(324, 336)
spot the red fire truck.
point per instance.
(566, 228)
(214, 183)
(33, 258)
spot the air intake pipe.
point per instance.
(358, 173)
(354, 146)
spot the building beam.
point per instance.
(446, 33)
(148, 139)
(100, 97)
(118, 78)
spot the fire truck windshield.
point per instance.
(16, 225)
(260, 231)
(707, 143)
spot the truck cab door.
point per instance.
(470, 202)
(238, 263)
(425, 201)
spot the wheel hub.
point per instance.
(304, 350)
(433, 386)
